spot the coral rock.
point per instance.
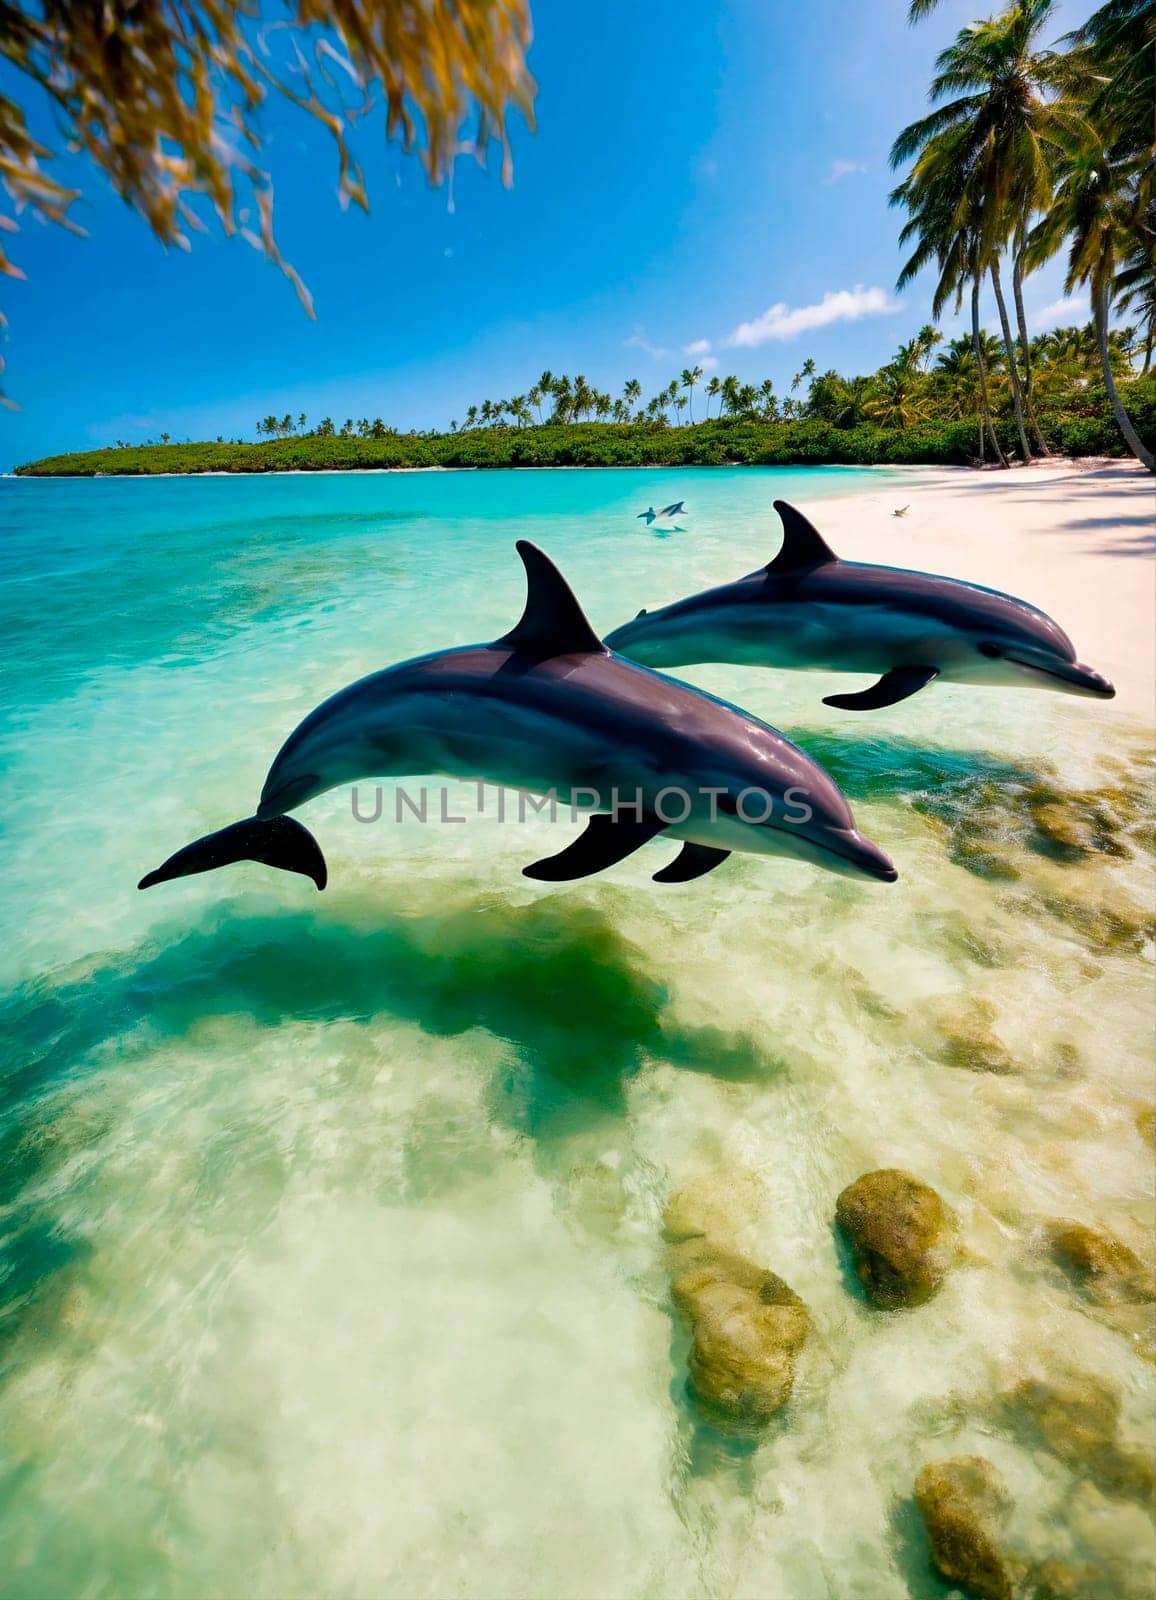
(747, 1327)
(1077, 1417)
(901, 1235)
(962, 1502)
(1103, 1266)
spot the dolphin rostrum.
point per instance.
(549, 709)
(807, 608)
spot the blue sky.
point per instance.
(701, 172)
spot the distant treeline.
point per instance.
(1079, 423)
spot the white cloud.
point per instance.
(1062, 313)
(639, 341)
(843, 169)
(697, 347)
(782, 321)
(708, 363)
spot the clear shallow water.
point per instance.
(331, 1227)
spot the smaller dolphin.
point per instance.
(650, 514)
(547, 708)
(807, 609)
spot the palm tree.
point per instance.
(1136, 284)
(808, 371)
(942, 226)
(631, 392)
(900, 397)
(712, 390)
(1113, 67)
(841, 401)
(1094, 212)
(1003, 134)
(770, 405)
(690, 376)
(563, 399)
(534, 398)
(925, 342)
(583, 397)
(471, 416)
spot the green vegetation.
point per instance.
(919, 408)
(1029, 152)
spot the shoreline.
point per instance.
(1080, 464)
(369, 472)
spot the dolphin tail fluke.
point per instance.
(276, 841)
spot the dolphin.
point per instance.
(675, 508)
(806, 608)
(650, 514)
(547, 708)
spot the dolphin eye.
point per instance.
(993, 651)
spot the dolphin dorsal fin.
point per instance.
(803, 545)
(553, 623)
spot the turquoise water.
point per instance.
(331, 1225)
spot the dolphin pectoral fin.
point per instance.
(693, 861)
(276, 841)
(606, 841)
(898, 684)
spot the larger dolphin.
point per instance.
(548, 708)
(807, 608)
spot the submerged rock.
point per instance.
(1075, 824)
(901, 1235)
(598, 1197)
(968, 1039)
(1102, 1266)
(1146, 1124)
(747, 1327)
(1076, 1416)
(1061, 1580)
(1107, 919)
(994, 825)
(714, 1205)
(963, 1502)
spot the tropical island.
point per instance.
(926, 406)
